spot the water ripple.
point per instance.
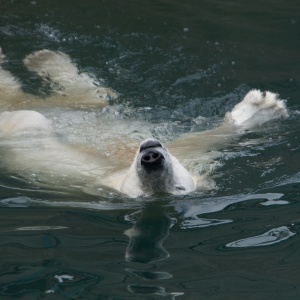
(273, 236)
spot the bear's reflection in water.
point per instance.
(147, 235)
(146, 247)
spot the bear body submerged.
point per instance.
(29, 144)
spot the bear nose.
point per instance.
(150, 144)
(151, 158)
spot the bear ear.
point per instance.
(150, 144)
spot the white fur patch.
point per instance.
(59, 69)
(22, 121)
(257, 108)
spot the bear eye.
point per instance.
(150, 144)
(180, 188)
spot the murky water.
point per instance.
(179, 67)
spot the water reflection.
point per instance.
(146, 247)
(160, 291)
(270, 237)
(70, 283)
(147, 235)
(194, 210)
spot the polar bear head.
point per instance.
(154, 170)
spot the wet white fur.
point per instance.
(256, 109)
(21, 121)
(65, 76)
(47, 154)
(69, 85)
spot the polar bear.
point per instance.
(29, 145)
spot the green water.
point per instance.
(175, 64)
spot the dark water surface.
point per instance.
(180, 65)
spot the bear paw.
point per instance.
(257, 108)
(53, 65)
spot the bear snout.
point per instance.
(152, 159)
(150, 143)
